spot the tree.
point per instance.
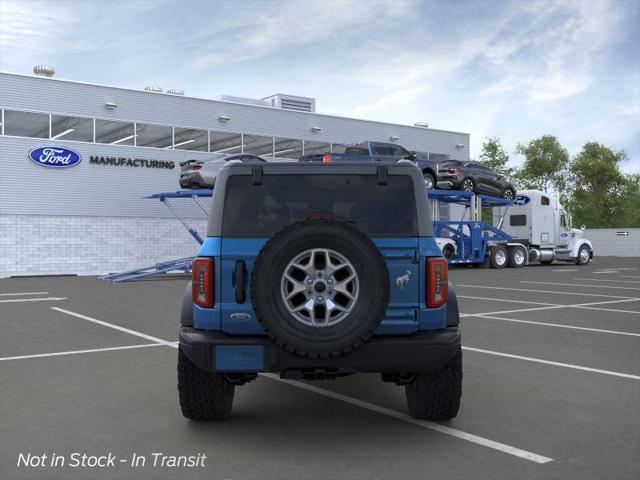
(600, 195)
(545, 163)
(495, 157)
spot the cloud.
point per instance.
(31, 29)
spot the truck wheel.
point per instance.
(436, 395)
(429, 181)
(320, 288)
(517, 257)
(203, 395)
(498, 257)
(584, 255)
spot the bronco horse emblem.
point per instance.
(402, 280)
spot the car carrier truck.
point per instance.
(532, 228)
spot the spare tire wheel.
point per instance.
(320, 288)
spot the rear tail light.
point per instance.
(437, 282)
(196, 167)
(454, 170)
(202, 288)
(326, 158)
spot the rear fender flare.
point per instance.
(186, 312)
(453, 315)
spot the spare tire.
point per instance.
(320, 288)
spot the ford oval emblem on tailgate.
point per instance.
(55, 157)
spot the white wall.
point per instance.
(607, 242)
(49, 244)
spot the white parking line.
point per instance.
(581, 285)
(588, 306)
(22, 293)
(629, 276)
(434, 426)
(76, 352)
(485, 442)
(528, 290)
(47, 299)
(605, 280)
(116, 327)
(566, 270)
(556, 364)
(509, 301)
(559, 325)
(634, 312)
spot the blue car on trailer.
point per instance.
(314, 271)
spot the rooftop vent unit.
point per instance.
(175, 91)
(244, 100)
(291, 102)
(44, 71)
(153, 88)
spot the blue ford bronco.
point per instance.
(315, 271)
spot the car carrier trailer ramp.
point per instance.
(176, 265)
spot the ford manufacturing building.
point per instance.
(91, 217)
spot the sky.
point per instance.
(515, 70)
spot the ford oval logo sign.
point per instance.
(55, 157)
(521, 200)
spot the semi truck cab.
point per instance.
(538, 221)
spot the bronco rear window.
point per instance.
(262, 210)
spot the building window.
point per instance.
(227, 143)
(316, 148)
(287, 148)
(258, 145)
(191, 139)
(157, 136)
(71, 128)
(26, 124)
(338, 148)
(115, 133)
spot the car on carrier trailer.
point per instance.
(315, 271)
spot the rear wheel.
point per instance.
(203, 395)
(468, 185)
(517, 257)
(499, 257)
(436, 395)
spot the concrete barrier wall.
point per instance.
(615, 242)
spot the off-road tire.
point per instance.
(310, 341)
(436, 395)
(495, 256)
(203, 395)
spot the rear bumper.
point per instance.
(216, 351)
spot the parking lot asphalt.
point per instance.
(551, 387)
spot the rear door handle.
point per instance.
(241, 296)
